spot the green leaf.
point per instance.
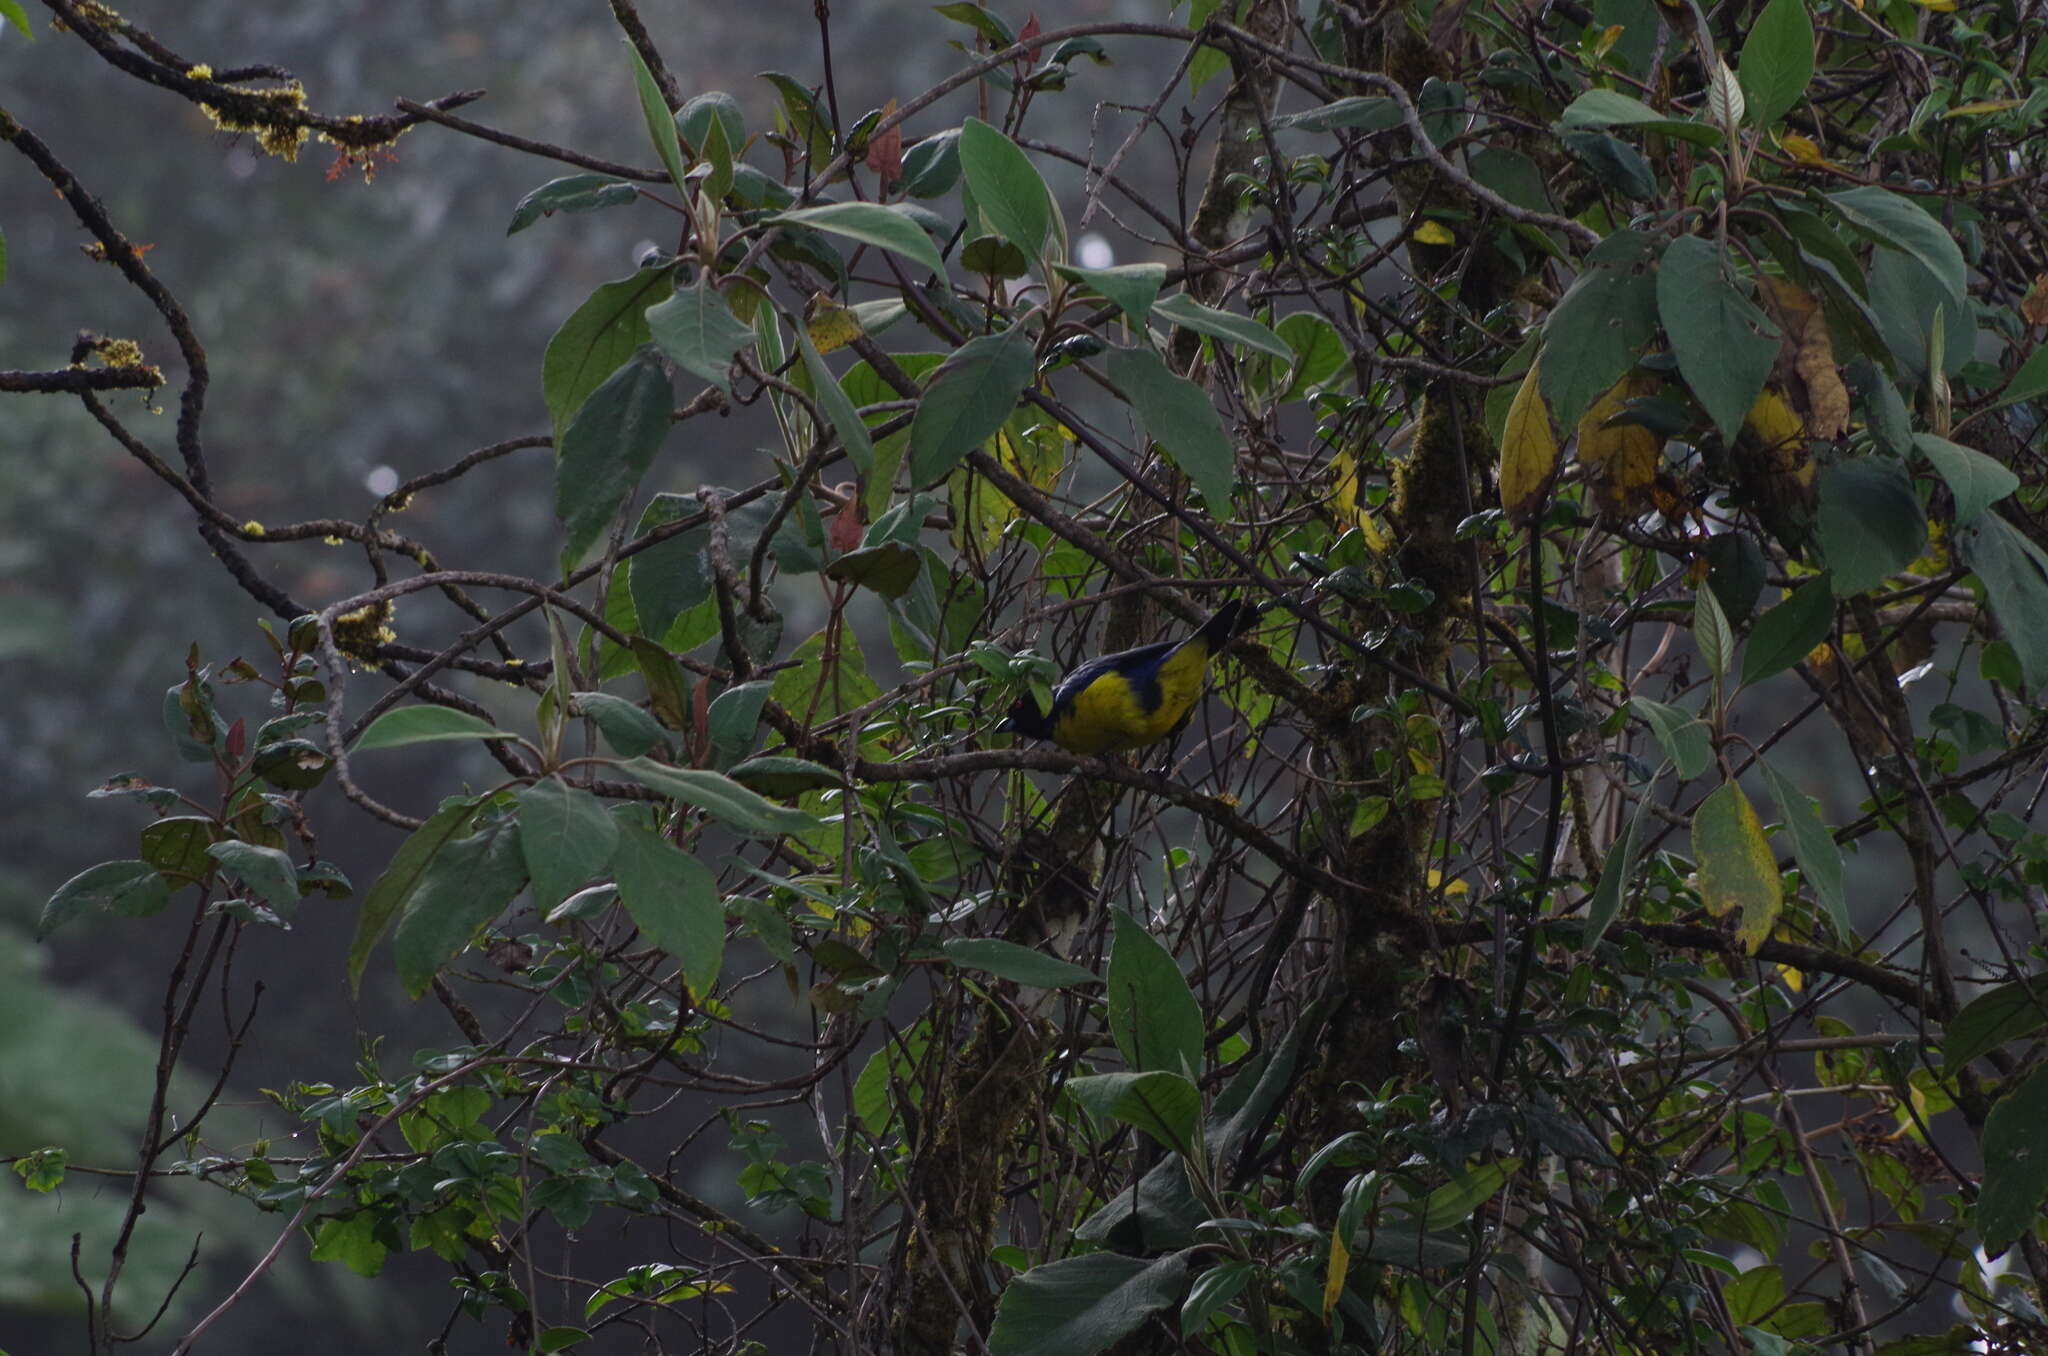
(608, 447)
(404, 725)
(567, 838)
(1897, 223)
(980, 20)
(15, 15)
(1725, 345)
(1178, 415)
(889, 569)
(1977, 481)
(1615, 164)
(1319, 352)
(871, 224)
(2028, 382)
(1512, 175)
(721, 797)
(573, 193)
(1684, 737)
(932, 166)
(464, 886)
(1153, 1014)
(605, 331)
(1737, 873)
(1454, 1202)
(716, 148)
(1788, 632)
(267, 871)
(734, 715)
(2014, 575)
(673, 898)
(1082, 1305)
(1359, 113)
(699, 332)
(890, 1072)
(43, 1169)
(1185, 311)
(351, 1240)
(1736, 570)
(1906, 301)
(1870, 525)
(785, 777)
(1813, 847)
(1213, 1289)
(1166, 1106)
(1600, 326)
(1755, 1293)
(1132, 287)
(969, 397)
(2015, 1164)
(393, 891)
(134, 888)
(177, 846)
(1777, 60)
(700, 112)
(846, 422)
(1603, 906)
(1597, 108)
(1993, 1018)
(625, 725)
(1006, 187)
(810, 124)
(1021, 964)
(661, 121)
(1711, 634)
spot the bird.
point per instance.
(1134, 697)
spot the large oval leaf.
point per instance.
(1725, 345)
(970, 396)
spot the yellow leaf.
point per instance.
(1608, 37)
(1333, 1280)
(1940, 6)
(1528, 450)
(1802, 149)
(830, 325)
(1457, 889)
(1435, 233)
(1773, 419)
(1622, 460)
(1981, 105)
(1821, 396)
(1737, 872)
(1351, 509)
(1795, 980)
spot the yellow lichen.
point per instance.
(94, 13)
(252, 528)
(333, 541)
(358, 633)
(265, 112)
(200, 72)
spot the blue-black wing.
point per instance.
(1140, 666)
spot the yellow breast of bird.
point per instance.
(1122, 711)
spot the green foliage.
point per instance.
(1445, 931)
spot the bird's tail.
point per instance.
(1230, 621)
